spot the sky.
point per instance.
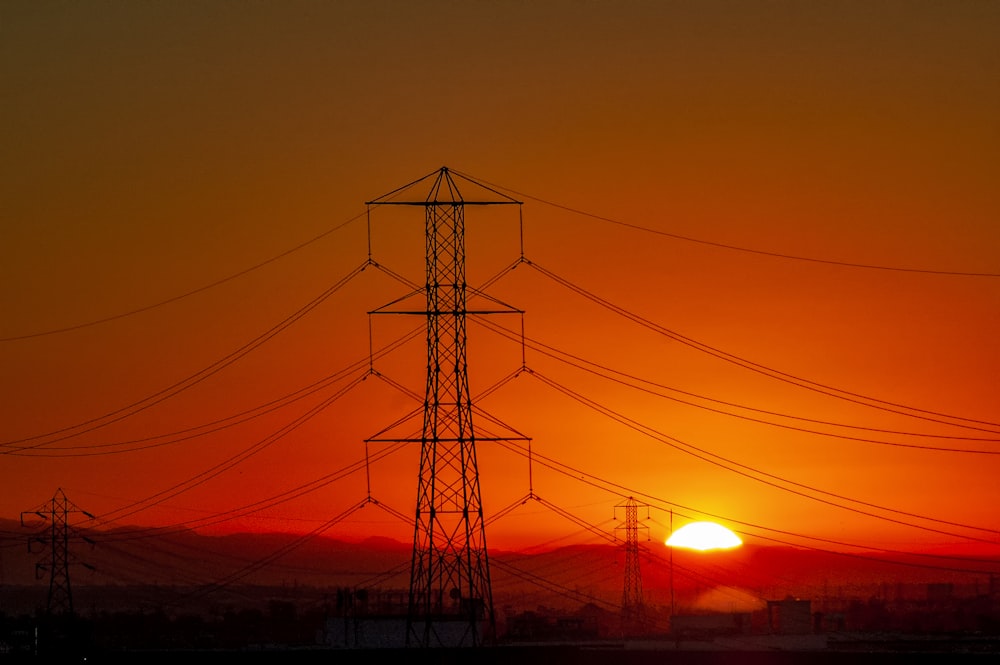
(788, 210)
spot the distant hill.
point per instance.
(570, 576)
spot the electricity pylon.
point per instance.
(57, 560)
(633, 608)
(450, 598)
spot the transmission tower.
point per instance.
(56, 542)
(450, 597)
(633, 608)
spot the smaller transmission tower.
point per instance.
(57, 560)
(633, 608)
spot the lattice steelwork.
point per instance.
(60, 593)
(451, 599)
(633, 607)
(57, 560)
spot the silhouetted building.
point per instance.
(707, 626)
(539, 627)
(940, 592)
(790, 616)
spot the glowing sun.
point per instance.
(704, 536)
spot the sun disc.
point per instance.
(703, 536)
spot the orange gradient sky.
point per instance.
(152, 149)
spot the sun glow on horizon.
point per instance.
(704, 536)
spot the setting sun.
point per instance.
(704, 536)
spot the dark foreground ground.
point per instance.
(864, 652)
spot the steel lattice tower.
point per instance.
(633, 608)
(57, 561)
(60, 593)
(451, 598)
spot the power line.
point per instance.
(234, 460)
(839, 393)
(192, 380)
(597, 531)
(560, 589)
(748, 471)
(215, 426)
(621, 491)
(277, 554)
(142, 533)
(606, 372)
(172, 299)
(737, 248)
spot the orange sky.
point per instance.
(150, 149)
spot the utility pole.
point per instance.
(57, 559)
(633, 608)
(450, 597)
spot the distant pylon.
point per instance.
(633, 607)
(57, 559)
(451, 598)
